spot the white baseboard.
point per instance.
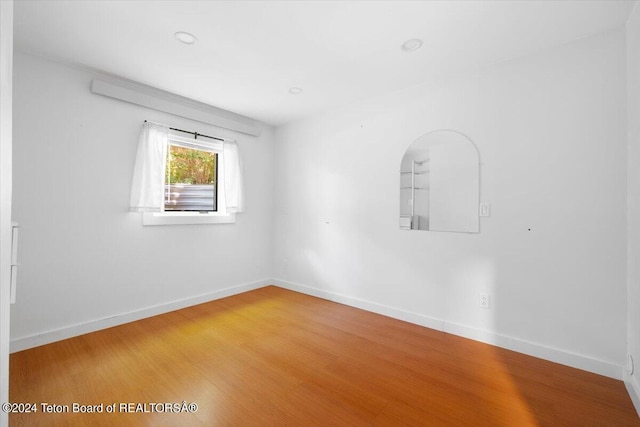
(556, 355)
(552, 354)
(23, 343)
(522, 346)
(385, 310)
(633, 388)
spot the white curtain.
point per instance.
(233, 194)
(147, 188)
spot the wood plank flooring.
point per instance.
(273, 357)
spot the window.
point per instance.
(191, 178)
(180, 180)
(192, 185)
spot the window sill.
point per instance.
(186, 218)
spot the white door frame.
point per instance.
(6, 99)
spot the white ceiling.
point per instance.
(249, 54)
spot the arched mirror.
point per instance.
(440, 184)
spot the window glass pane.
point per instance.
(190, 179)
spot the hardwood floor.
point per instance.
(273, 357)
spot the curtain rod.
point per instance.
(195, 134)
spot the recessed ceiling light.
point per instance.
(295, 91)
(184, 37)
(411, 45)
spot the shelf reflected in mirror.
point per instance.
(440, 184)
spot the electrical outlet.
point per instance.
(285, 263)
(484, 300)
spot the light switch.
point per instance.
(485, 209)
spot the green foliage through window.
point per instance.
(189, 166)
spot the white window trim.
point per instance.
(186, 218)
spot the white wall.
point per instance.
(84, 256)
(633, 213)
(550, 128)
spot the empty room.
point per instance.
(320, 213)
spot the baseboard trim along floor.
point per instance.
(551, 354)
(24, 343)
(556, 355)
(634, 390)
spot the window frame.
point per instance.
(220, 215)
(203, 148)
